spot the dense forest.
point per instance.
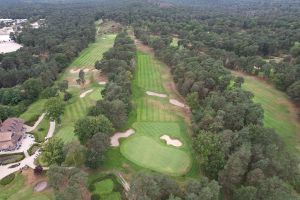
(46, 52)
(239, 158)
(248, 160)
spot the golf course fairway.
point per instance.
(155, 117)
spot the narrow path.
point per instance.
(31, 128)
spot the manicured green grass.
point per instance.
(75, 109)
(94, 52)
(148, 153)
(153, 117)
(17, 190)
(78, 107)
(149, 77)
(277, 110)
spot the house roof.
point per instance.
(5, 136)
(12, 124)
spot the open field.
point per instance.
(17, 190)
(154, 117)
(279, 112)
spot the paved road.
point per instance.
(31, 128)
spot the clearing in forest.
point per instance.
(77, 106)
(279, 111)
(154, 118)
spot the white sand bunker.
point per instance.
(177, 103)
(40, 186)
(170, 141)
(114, 140)
(85, 93)
(74, 71)
(156, 94)
(102, 83)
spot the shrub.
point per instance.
(95, 197)
(8, 179)
(11, 158)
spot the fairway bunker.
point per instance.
(156, 94)
(170, 141)
(102, 83)
(114, 140)
(74, 71)
(177, 103)
(85, 93)
(40, 186)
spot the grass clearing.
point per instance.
(279, 112)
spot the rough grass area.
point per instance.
(105, 186)
(279, 112)
(17, 190)
(33, 112)
(41, 130)
(154, 117)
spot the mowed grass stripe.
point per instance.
(155, 117)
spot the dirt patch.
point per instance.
(114, 140)
(82, 95)
(40, 186)
(156, 94)
(170, 141)
(31, 178)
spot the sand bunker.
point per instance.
(74, 71)
(102, 83)
(156, 94)
(85, 93)
(170, 141)
(177, 103)
(114, 140)
(40, 186)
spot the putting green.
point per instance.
(148, 153)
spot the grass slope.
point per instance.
(278, 110)
(155, 117)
